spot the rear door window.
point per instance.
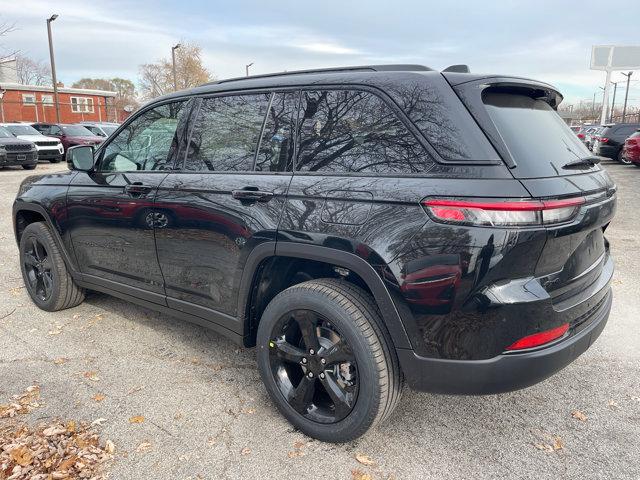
(539, 140)
(347, 131)
(226, 133)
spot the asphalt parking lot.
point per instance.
(206, 414)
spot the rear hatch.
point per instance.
(519, 117)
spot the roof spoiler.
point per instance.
(457, 69)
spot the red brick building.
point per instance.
(30, 103)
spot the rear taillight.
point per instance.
(502, 212)
(581, 135)
(538, 339)
(603, 139)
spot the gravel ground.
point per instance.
(206, 414)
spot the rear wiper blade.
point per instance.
(589, 161)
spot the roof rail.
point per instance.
(457, 69)
(370, 68)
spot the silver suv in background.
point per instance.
(102, 129)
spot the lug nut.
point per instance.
(323, 361)
(322, 375)
(310, 374)
(304, 360)
(312, 351)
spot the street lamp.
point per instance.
(173, 60)
(246, 68)
(53, 66)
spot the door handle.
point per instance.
(137, 189)
(251, 194)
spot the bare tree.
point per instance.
(157, 78)
(5, 28)
(32, 72)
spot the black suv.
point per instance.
(361, 226)
(610, 140)
(14, 151)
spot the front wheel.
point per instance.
(45, 274)
(327, 361)
(29, 167)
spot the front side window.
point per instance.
(353, 131)
(276, 145)
(226, 132)
(149, 142)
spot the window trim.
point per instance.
(29, 95)
(86, 104)
(48, 102)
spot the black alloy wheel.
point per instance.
(313, 367)
(37, 267)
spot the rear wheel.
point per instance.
(55, 160)
(622, 159)
(29, 167)
(327, 361)
(45, 274)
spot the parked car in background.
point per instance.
(575, 128)
(592, 136)
(631, 149)
(357, 225)
(49, 148)
(611, 139)
(15, 151)
(102, 129)
(69, 135)
(584, 131)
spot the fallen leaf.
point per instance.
(613, 405)
(136, 419)
(295, 453)
(544, 447)
(360, 475)
(93, 376)
(364, 459)
(55, 332)
(98, 397)
(143, 447)
(245, 451)
(54, 430)
(98, 421)
(21, 455)
(249, 411)
(109, 447)
(557, 443)
(71, 426)
(578, 415)
(60, 361)
(299, 445)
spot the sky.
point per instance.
(545, 40)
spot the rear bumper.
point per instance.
(608, 151)
(13, 159)
(505, 372)
(49, 155)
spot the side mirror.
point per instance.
(80, 158)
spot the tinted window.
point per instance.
(537, 138)
(149, 142)
(54, 130)
(276, 148)
(350, 131)
(625, 131)
(225, 135)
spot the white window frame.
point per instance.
(81, 104)
(29, 99)
(47, 100)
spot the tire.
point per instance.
(622, 159)
(54, 289)
(350, 313)
(55, 160)
(29, 167)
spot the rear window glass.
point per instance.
(537, 138)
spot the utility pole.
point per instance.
(246, 68)
(593, 106)
(626, 95)
(173, 62)
(53, 67)
(613, 103)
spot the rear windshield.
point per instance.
(538, 139)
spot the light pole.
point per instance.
(613, 103)
(246, 68)
(53, 67)
(626, 95)
(173, 61)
